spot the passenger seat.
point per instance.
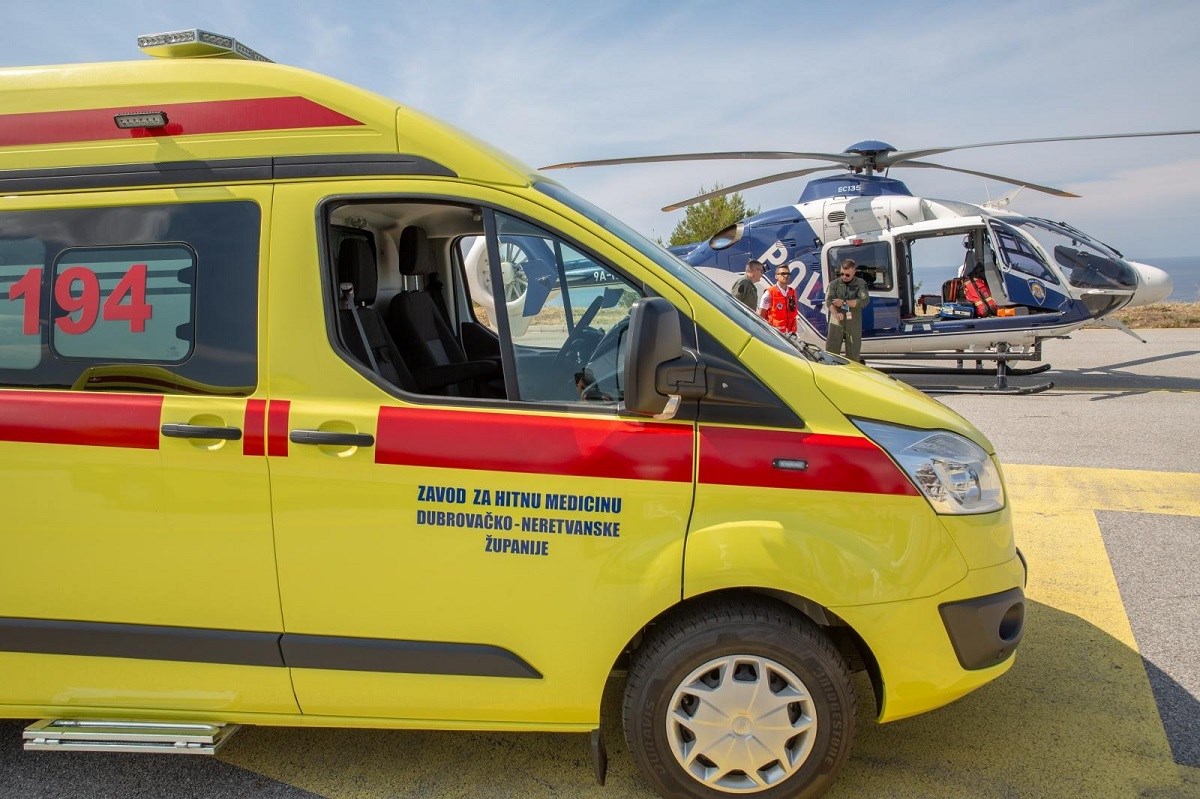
(423, 335)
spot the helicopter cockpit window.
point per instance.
(1019, 255)
(1087, 264)
(874, 264)
(726, 237)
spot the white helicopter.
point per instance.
(1032, 279)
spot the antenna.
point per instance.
(1002, 201)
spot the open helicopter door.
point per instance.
(957, 285)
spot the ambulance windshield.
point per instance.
(721, 299)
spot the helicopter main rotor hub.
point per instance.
(870, 152)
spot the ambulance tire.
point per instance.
(723, 651)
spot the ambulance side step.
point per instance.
(94, 735)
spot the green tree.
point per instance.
(704, 219)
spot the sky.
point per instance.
(564, 81)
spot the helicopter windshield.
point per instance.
(1086, 263)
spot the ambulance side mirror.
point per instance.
(659, 372)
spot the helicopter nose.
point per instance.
(1154, 285)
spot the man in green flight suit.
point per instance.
(745, 288)
(846, 297)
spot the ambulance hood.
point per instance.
(864, 393)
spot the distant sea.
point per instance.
(1185, 276)
(1184, 272)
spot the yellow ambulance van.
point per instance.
(315, 411)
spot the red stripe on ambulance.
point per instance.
(254, 429)
(183, 119)
(529, 444)
(741, 456)
(37, 417)
(277, 428)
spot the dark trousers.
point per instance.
(849, 334)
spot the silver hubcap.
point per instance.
(741, 723)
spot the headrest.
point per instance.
(356, 265)
(416, 258)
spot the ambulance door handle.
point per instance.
(336, 439)
(201, 431)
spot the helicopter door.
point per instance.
(874, 264)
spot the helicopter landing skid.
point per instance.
(950, 370)
(1002, 371)
(1001, 387)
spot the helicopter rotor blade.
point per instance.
(749, 184)
(885, 160)
(1014, 181)
(847, 159)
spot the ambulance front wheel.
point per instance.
(739, 698)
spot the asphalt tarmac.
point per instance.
(1101, 702)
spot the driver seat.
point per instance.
(422, 333)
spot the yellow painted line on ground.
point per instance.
(1075, 717)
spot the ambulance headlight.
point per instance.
(953, 472)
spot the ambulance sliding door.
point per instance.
(461, 557)
(139, 567)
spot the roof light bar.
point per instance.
(197, 43)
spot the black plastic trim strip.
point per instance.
(143, 642)
(403, 657)
(334, 166)
(232, 170)
(110, 176)
(242, 648)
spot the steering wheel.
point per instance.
(572, 348)
(606, 355)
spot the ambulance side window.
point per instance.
(160, 299)
(458, 302)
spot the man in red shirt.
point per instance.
(778, 303)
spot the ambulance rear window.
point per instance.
(18, 350)
(124, 303)
(147, 298)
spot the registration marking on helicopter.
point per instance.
(1075, 717)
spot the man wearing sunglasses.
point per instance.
(846, 297)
